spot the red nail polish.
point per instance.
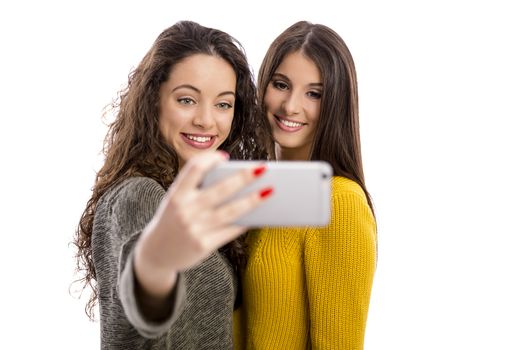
(259, 170)
(266, 192)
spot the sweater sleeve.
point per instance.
(339, 265)
(133, 208)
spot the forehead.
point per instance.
(204, 71)
(299, 67)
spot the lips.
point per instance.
(288, 125)
(198, 140)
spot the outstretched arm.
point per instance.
(189, 224)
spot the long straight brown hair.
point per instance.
(337, 138)
(134, 145)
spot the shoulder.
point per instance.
(135, 186)
(342, 186)
(346, 192)
(134, 189)
(135, 196)
(350, 207)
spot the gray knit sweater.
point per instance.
(204, 295)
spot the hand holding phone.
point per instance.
(301, 195)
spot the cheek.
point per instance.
(269, 100)
(270, 105)
(225, 125)
(170, 123)
(314, 112)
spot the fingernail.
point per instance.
(259, 170)
(266, 192)
(224, 154)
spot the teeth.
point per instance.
(199, 138)
(290, 123)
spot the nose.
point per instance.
(292, 104)
(204, 118)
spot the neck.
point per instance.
(282, 153)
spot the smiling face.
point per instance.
(293, 102)
(196, 105)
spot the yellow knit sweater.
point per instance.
(310, 287)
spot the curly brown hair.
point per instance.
(134, 145)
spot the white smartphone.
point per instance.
(301, 192)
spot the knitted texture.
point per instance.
(310, 287)
(204, 295)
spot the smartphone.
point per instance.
(301, 195)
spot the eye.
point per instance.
(279, 85)
(314, 94)
(224, 105)
(186, 101)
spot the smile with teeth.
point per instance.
(289, 123)
(200, 139)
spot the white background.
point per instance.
(442, 95)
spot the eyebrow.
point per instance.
(284, 77)
(191, 87)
